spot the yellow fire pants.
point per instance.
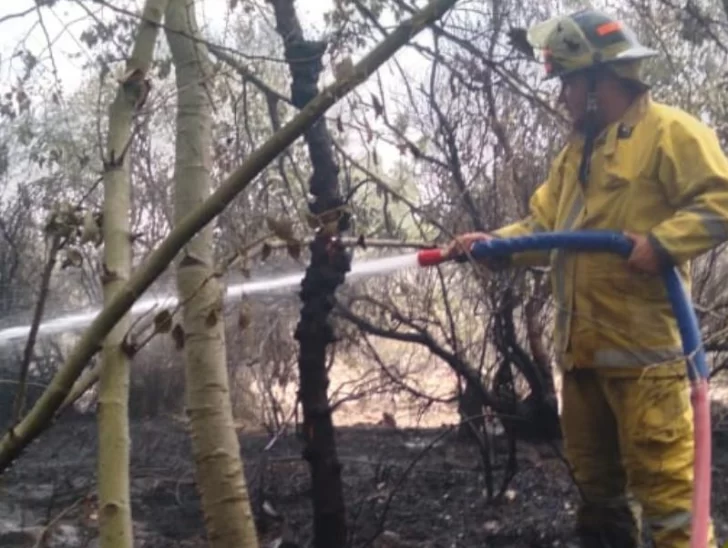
(629, 441)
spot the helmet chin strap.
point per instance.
(590, 126)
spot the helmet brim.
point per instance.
(635, 53)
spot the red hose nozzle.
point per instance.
(431, 257)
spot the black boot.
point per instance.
(608, 528)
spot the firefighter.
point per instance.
(658, 175)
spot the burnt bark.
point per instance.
(329, 264)
(535, 417)
(470, 408)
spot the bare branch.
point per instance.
(11, 16)
(247, 75)
(19, 405)
(423, 338)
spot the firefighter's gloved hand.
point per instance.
(461, 244)
(644, 257)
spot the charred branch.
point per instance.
(422, 337)
(247, 75)
(453, 157)
(536, 417)
(19, 405)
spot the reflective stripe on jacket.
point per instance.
(657, 171)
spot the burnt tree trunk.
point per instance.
(536, 417)
(470, 408)
(329, 264)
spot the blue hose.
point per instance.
(615, 242)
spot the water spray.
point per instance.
(146, 305)
(697, 368)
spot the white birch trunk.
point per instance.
(113, 419)
(220, 479)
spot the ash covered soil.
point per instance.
(439, 501)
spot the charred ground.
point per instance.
(418, 488)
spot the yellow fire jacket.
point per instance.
(657, 171)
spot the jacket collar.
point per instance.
(620, 129)
(623, 127)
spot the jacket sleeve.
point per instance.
(541, 218)
(694, 173)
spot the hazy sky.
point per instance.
(68, 19)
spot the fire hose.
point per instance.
(697, 368)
